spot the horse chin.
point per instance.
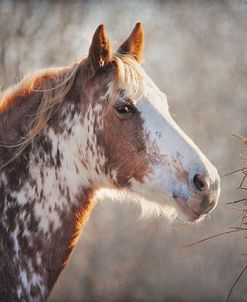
(185, 212)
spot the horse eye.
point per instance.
(126, 109)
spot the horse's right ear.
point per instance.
(100, 49)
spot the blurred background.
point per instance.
(196, 52)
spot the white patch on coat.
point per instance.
(72, 175)
(16, 243)
(19, 292)
(24, 281)
(165, 142)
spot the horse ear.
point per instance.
(134, 45)
(100, 49)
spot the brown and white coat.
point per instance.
(66, 133)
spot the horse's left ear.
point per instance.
(100, 49)
(134, 45)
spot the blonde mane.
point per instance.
(130, 75)
(54, 84)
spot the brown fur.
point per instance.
(134, 45)
(27, 112)
(124, 143)
(100, 50)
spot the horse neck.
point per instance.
(45, 209)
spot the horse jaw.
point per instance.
(149, 208)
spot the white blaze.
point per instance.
(167, 143)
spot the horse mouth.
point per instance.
(190, 214)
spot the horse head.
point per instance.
(136, 145)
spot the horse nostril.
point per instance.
(200, 182)
(207, 204)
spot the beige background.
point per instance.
(196, 53)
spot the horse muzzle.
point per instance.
(201, 200)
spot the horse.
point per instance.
(65, 134)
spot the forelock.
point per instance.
(130, 76)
